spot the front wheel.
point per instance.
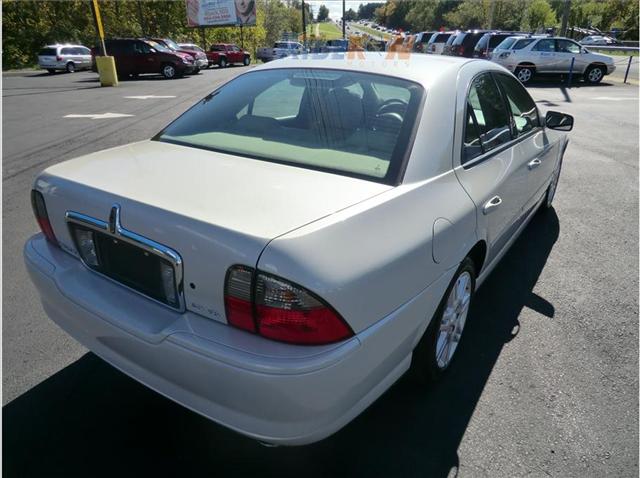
(246, 61)
(223, 63)
(436, 349)
(524, 74)
(553, 186)
(196, 71)
(168, 71)
(594, 74)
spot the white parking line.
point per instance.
(147, 97)
(99, 116)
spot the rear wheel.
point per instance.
(594, 74)
(524, 74)
(436, 349)
(246, 61)
(71, 67)
(168, 71)
(222, 62)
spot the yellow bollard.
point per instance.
(107, 70)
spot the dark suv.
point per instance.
(465, 42)
(135, 56)
(489, 41)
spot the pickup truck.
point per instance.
(281, 49)
(224, 54)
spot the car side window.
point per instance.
(472, 145)
(490, 112)
(67, 51)
(545, 45)
(566, 46)
(522, 106)
(142, 48)
(520, 44)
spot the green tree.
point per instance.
(323, 14)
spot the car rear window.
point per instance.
(345, 122)
(440, 38)
(48, 52)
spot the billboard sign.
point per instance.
(217, 13)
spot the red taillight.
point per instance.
(40, 211)
(58, 58)
(283, 311)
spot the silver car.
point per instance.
(64, 58)
(529, 56)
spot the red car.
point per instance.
(223, 54)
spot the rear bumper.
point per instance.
(273, 392)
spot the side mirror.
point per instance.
(558, 121)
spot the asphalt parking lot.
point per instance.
(545, 384)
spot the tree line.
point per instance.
(514, 15)
(29, 25)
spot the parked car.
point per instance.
(489, 41)
(599, 40)
(446, 48)
(553, 55)
(134, 56)
(223, 54)
(199, 58)
(465, 42)
(65, 57)
(436, 43)
(335, 46)
(185, 263)
(281, 49)
(421, 40)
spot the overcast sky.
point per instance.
(334, 6)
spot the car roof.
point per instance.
(424, 69)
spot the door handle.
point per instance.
(492, 205)
(534, 164)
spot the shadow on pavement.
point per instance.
(89, 419)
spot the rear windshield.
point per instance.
(451, 39)
(351, 123)
(482, 44)
(520, 44)
(48, 52)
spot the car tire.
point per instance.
(246, 61)
(594, 74)
(51, 71)
(196, 71)
(168, 71)
(524, 74)
(436, 350)
(222, 63)
(71, 67)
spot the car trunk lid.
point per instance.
(214, 209)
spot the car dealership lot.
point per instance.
(545, 384)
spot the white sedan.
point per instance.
(279, 255)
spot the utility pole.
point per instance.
(304, 26)
(95, 10)
(344, 21)
(565, 17)
(492, 11)
(141, 18)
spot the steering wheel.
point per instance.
(390, 115)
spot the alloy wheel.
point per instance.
(453, 320)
